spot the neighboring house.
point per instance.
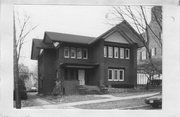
(108, 60)
(154, 45)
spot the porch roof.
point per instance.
(79, 65)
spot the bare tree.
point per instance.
(138, 18)
(22, 28)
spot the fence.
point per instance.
(142, 78)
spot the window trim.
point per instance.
(65, 52)
(153, 52)
(118, 74)
(109, 52)
(86, 53)
(105, 51)
(143, 55)
(79, 57)
(72, 48)
(121, 55)
(116, 48)
(122, 74)
(111, 75)
(127, 57)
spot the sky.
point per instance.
(80, 20)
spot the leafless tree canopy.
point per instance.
(138, 17)
(23, 29)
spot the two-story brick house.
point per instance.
(107, 60)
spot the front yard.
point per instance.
(36, 100)
(113, 104)
(71, 98)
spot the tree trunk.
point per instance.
(16, 71)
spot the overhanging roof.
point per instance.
(38, 44)
(79, 65)
(62, 37)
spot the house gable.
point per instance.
(117, 38)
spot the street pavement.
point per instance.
(48, 105)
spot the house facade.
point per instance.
(155, 33)
(108, 60)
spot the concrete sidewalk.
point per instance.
(70, 105)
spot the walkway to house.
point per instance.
(49, 105)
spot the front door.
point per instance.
(81, 77)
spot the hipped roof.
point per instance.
(124, 28)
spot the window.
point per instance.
(79, 53)
(116, 52)
(73, 52)
(110, 75)
(85, 53)
(121, 75)
(105, 51)
(41, 51)
(66, 52)
(115, 74)
(143, 55)
(110, 52)
(127, 53)
(122, 53)
(153, 52)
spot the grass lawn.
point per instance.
(72, 98)
(130, 92)
(113, 104)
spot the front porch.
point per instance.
(78, 77)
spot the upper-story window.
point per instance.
(153, 52)
(143, 55)
(110, 52)
(79, 53)
(84, 53)
(127, 53)
(73, 52)
(66, 52)
(116, 52)
(122, 53)
(105, 51)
